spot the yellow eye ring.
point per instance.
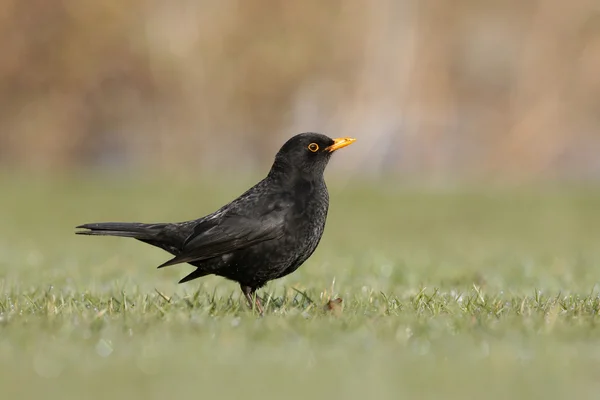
(313, 147)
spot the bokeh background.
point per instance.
(435, 90)
(481, 283)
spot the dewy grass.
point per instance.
(448, 294)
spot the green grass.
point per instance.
(446, 294)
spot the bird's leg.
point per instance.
(249, 292)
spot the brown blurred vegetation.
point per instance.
(432, 88)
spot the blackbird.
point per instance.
(264, 234)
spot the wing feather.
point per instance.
(214, 237)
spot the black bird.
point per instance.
(264, 234)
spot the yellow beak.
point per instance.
(339, 143)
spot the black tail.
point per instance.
(145, 232)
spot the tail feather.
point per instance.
(124, 229)
(197, 273)
(158, 235)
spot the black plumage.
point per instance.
(264, 234)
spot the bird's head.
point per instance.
(307, 154)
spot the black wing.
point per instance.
(224, 233)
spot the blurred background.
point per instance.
(434, 90)
(133, 110)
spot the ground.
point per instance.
(447, 293)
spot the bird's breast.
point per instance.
(306, 223)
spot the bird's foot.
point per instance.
(253, 300)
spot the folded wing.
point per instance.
(222, 234)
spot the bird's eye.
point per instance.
(313, 147)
